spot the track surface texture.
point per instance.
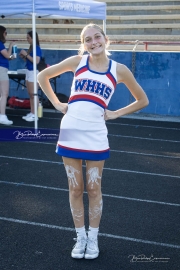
(141, 203)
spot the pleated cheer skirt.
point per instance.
(82, 139)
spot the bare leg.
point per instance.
(76, 187)
(30, 88)
(93, 185)
(94, 174)
(4, 92)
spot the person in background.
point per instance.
(83, 132)
(28, 57)
(5, 56)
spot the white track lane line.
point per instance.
(100, 234)
(110, 169)
(119, 151)
(143, 154)
(122, 136)
(140, 126)
(117, 124)
(104, 195)
(143, 138)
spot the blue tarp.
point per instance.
(72, 9)
(18, 8)
(67, 9)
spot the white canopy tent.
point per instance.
(54, 8)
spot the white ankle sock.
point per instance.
(81, 231)
(93, 232)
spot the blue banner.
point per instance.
(28, 134)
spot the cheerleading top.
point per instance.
(29, 64)
(91, 91)
(83, 133)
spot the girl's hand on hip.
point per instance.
(62, 107)
(108, 115)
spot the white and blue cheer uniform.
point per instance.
(83, 133)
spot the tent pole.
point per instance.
(104, 26)
(34, 69)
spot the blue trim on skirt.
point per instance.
(85, 155)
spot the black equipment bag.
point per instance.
(42, 64)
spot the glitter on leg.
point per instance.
(96, 211)
(93, 176)
(71, 175)
(77, 213)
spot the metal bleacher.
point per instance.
(154, 25)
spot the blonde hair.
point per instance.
(91, 25)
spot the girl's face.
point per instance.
(5, 34)
(29, 39)
(94, 41)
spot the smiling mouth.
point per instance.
(96, 47)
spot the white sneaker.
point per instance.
(79, 248)
(92, 250)
(27, 115)
(31, 118)
(4, 120)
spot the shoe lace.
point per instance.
(80, 242)
(92, 243)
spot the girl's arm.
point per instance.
(7, 53)
(70, 64)
(23, 54)
(30, 58)
(125, 76)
